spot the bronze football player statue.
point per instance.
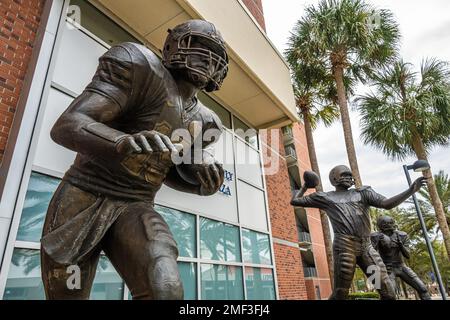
(391, 244)
(348, 210)
(121, 127)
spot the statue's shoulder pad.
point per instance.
(375, 234)
(146, 60)
(362, 188)
(402, 233)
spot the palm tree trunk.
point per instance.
(338, 74)
(323, 217)
(419, 149)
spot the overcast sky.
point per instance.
(425, 28)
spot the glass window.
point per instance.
(40, 191)
(221, 112)
(221, 282)
(188, 277)
(100, 25)
(252, 208)
(108, 285)
(249, 135)
(256, 247)
(25, 283)
(182, 226)
(248, 164)
(219, 241)
(259, 284)
(24, 277)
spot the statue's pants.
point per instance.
(410, 277)
(135, 238)
(349, 251)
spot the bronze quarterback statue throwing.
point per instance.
(348, 210)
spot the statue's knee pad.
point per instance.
(159, 237)
(165, 279)
(346, 263)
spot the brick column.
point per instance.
(256, 9)
(288, 262)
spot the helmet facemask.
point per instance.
(386, 224)
(346, 179)
(341, 176)
(198, 57)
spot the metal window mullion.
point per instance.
(197, 227)
(48, 172)
(257, 265)
(187, 210)
(187, 259)
(223, 263)
(27, 245)
(243, 266)
(265, 232)
(64, 90)
(251, 184)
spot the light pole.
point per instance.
(418, 166)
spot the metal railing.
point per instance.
(304, 236)
(290, 151)
(310, 272)
(287, 131)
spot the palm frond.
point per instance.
(403, 101)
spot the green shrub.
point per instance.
(364, 296)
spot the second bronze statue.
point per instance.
(391, 244)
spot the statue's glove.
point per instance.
(145, 142)
(210, 177)
(418, 183)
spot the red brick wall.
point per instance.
(19, 20)
(289, 268)
(291, 281)
(256, 9)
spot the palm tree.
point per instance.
(338, 36)
(407, 114)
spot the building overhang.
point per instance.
(258, 86)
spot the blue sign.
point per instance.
(228, 175)
(224, 189)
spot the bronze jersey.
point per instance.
(135, 79)
(348, 210)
